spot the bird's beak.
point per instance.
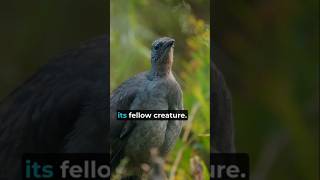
(170, 43)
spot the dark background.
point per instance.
(32, 32)
(268, 51)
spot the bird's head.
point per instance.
(162, 51)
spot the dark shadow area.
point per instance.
(53, 79)
(32, 32)
(269, 54)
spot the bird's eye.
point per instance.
(157, 46)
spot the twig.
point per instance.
(185, 137)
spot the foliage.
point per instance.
(134, 26)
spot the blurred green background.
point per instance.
(134, 26)
(269, 53)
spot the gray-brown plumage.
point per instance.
(156, 89)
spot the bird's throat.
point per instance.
(161, 70)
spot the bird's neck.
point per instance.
(160, 70)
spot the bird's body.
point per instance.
(156, 89)
(61, 108)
